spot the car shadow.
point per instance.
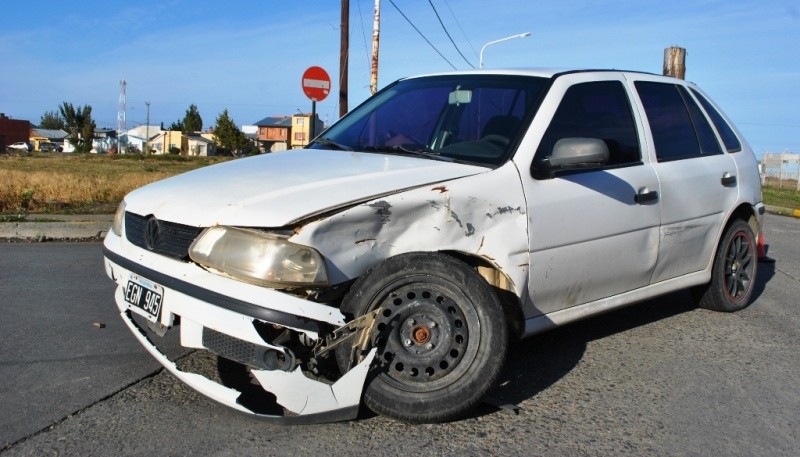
(766, 270)
(536, 363)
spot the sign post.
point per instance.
(316, 85)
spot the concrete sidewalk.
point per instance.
(43, 227)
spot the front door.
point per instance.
(593, 234)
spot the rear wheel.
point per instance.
(441, 336)
(733, 274)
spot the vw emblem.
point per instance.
(152, 233)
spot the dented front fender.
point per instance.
(482, 216)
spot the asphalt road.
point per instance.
(658, 378)
(62, 345)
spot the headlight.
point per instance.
(259, 258)
(119, 219)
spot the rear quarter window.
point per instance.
(725, 131)
(705, 133)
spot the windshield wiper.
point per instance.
(424, 151)
(328, 142)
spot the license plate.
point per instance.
(145, 295)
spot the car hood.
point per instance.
(277, 189)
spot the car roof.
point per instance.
(538, 72)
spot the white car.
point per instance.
(20, 146)
(392, 260)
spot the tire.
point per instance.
(733, 274)
(441, 338)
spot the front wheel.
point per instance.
(733, 274)
(441, 336)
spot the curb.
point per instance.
(43, 231)
(53, 230)
(783, 211)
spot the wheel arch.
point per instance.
(502, 285)
(748, 214)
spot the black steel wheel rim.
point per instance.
(427, 335)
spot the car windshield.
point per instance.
(471, 118)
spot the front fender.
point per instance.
(483, 215)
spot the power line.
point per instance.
(363, 34)
(466, 37)
(420, 34)
(448, 35)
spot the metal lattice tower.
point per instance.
(121, 125)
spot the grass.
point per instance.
(785, 198)
(82, 183)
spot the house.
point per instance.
(135, 138)
(277, 133)
(103, 141)
(13, 131)
(193, 144)
(199, 145)
(301, 130)
(274, 133)
(39, 136)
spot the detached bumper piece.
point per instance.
(312, 401)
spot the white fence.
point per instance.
(783, 167)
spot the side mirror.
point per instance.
(576, 154)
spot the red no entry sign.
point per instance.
(316, 84)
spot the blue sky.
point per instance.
(248, 56)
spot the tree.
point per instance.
(192, 122)
(79, 126)
(176, 126)
(51, 120)
(227, 135)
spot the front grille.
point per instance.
(173, 239)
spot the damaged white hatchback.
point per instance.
(392, 260)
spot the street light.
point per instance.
(519, 35)
(147, 130)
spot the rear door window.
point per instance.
(670, 123)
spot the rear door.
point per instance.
(698, 179)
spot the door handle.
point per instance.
(645, 195)
(728, 179)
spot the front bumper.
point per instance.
(208, 302)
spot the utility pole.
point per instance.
(343, 54)
(147, 131)
(376, 30)
(675, 62)
(121, 114)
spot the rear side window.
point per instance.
(598, 110)
(732, 143)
